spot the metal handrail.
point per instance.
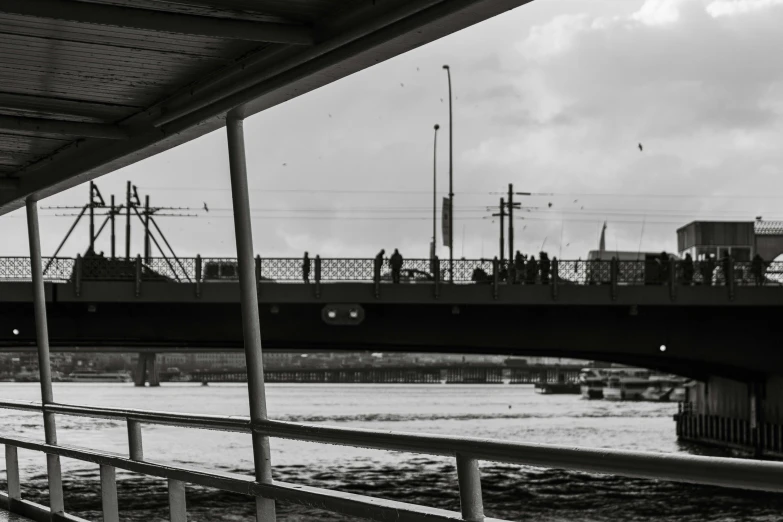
(579, 272)
(715, 471)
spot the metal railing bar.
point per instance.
(210, 422)
(34, 511)
(715, 471)
(338, 502)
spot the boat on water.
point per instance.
(28, 376)
(557, 388)
(591, 383)
(630, 384)
(95, 376)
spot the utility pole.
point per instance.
(146, 229)
(451, 181)
(113, 237)
(511, 222)
(127, 222)
(92, 217)
(502, 215)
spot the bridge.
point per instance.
(191, 67)
(598, 310)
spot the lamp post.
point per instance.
(435, 191)
(451, 182)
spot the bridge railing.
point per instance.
(332, 270)
(468, 452)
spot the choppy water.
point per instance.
(496, 411)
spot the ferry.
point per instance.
(666, 389)
(591, 383)
(95, 376)
(641, 387)
(626, 388)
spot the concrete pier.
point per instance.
(744, 416)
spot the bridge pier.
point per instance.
(147, 369)
(746, 416)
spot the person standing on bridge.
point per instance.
(687, 270)
(545, 267)
(757, 269)
(519, 267)
(378, 266)
(306, 268)
(531, 270)
(396, 266)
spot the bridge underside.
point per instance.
(700, 341)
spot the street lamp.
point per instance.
(451, 182)
(435, 192)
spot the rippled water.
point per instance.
(496, 411)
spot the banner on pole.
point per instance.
(446, 222)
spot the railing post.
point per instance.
(138, 275)
(135, 446)
(672, 279)
(56, 501)
(614, 274)
(177, 508)
(555, 278)
(109, 504)
(376, 276)
(471, 502)
(77, 276)
(436, 275)
(495, 277)
(12, 473)
(258, 270)
(251, 326)
(317, 277)
(199, 269)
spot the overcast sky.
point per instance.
(554, 97)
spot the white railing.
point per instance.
(726, 472)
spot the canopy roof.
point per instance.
(88, 87)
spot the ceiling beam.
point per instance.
(61, 128)
(161, 21)
(43, 106)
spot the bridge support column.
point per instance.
(251, 324)
(147, 370)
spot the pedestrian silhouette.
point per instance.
(727, 266)
(306, 268)
(687, 270)
(519, 267)
(378, 265)
(663, 268)
(545, 267)
(757, 269)
(396, 266)
(531, 271)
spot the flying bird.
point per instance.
(576, 200)
(550, 204)
(402, 85)
(640, 147)
(285, 164)
(206, 207)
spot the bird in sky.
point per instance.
(640, 147)
(206, 207)
(550, 204)
(284, 164)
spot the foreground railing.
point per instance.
(725, 472)
(332, 270)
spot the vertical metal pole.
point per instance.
(135, 445)
(127, 221)
(56, 502)
(146, 229)
(251, 325)
(451, 180)
(113, 236)
(92, 217)
(109, 494)
(198, 275)
(435, 189)
(470, 498)
(12, 472)
(511, 223)
(502, 232)
(177, 509)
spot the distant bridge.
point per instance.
(460, 374)
(596, 310)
